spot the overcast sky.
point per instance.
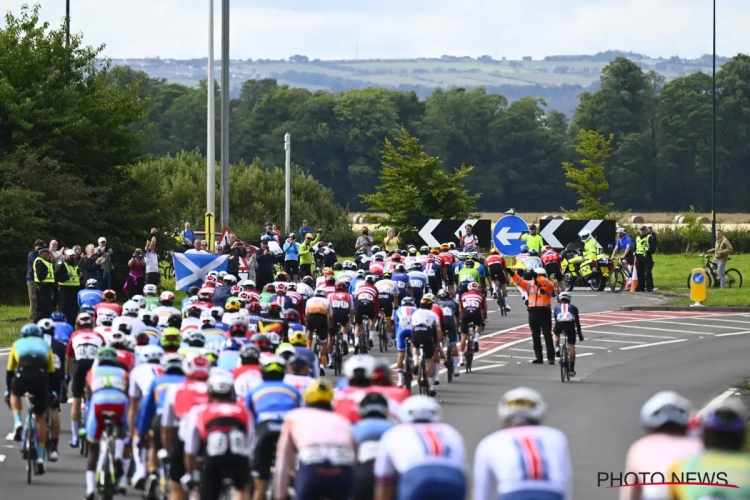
(333, 29)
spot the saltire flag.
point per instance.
(191, 269)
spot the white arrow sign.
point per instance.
(462, 227)
(426, 232)
(590, 226)
(504, 236)
(548, 233)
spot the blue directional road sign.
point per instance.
(698, 278)
(506, 234)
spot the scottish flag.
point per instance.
(191, 269)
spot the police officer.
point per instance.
(644, 261)
(69, 281)
(44, 277)
(533, 240)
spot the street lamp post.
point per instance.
(67, 23)
(713, 139)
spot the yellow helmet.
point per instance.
(328, 271)
(319, 392)
(233, 305)
(298, 338)
(445, 247)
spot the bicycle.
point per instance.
(620, 277)
(448, 359)
(424, 385)
(564, 358)
(382, 335)
(106, 475)
(338, 351)
(469, 348)
(83, 444)
(408, 364)
(30, 441)
(167, 271)
(732, 277)
(501, 304)
(363, 346)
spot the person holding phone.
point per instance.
(235, 249)
(291, 257)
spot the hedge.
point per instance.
(673, 240)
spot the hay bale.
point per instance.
(636, 219)
(546, 217)
(679, 219)
(558, 217)
(703, 220)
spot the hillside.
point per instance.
(557, 79)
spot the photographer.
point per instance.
(291, 257)
(103, 256)
(136, 274)
(235, 249)
(364, 242)
(270, 233)
(265, 259)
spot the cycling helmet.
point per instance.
(308, 280)
(424, 249)
(320, 292)
(273, 364)
(445, 247)
(106, 355)
(196, 367)
(250, 352)
(521, 405)
(210, 281)
(298, 338)
(166, 296)
(361, 273)
(215, 275)
(255, 308)
(379, 258)
(196, 339)
(359, 367)
(286, 351)
(109, 295)
(140, 300)
(232, 345)
(194, 311)
(291, 286)
(119, 340)
(245, 297)
(416, 266)
(400, 268)
(299, 365)
(469, 264)
(330, 280)
(396, 257)
(142, 339)
(30, 330)
(236, 289)
(229, 280)
(374, 405)
(217, 312)
(408, 301)
(349, 265)
(233, 305)
(149, 318)
(151, 354)
(172, 363)
(420, 409)
(84, 320)
(338, 266)
(375, 249)
(370, 278)
(220, 383)
(524, 248)
(463, 256)
(584, 235)
(262, 342)
(494, 251)
(403, 253)
(170, 339)
(281, 276)
(46, 325)
(291, 315)
(91, 284)
(274, 307)
(58, 317)
(429, 297)
(281, 288)
(473, 286)
(174, 321)
(130, 308)
(564, 296)
(665, 407)
(320, 391)
(387, 275)
(149, 290)
(621, 230)
(381, 373)
(412, 250)
(533, 252)
(443, 294)
(728, 417)
(205, 294)
(106, 317)
(248, 284)
(238, 324)
(207, 320)
(452, 245)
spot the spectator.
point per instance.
(392, 241)
(306, 254)
(198, 247)
(651, 232)
(136, 275)
(265, 260)
(721, 254)
(30, 285)
(78, 257)
(252, 266)
(235, 249)
(69, 281)
(644, 252)
(188, 237)
(55, 252)
(151, 237)
(153, 277)
(470, 242)
(291, 257)
(44, 277)
(304, 230)
(89, 267)
(269, 232)
(364, 242)
(276, 232)
(103, 255)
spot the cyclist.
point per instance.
(79, 358)
(366, 304)
(432, 471)
(179, 399)
(373, 410)
(270, 403)
(47, 326)
(342, 307)
(426, 334)
(401, 279)
(496, 267)
(150, 319)
(403, 330)
(141, 379)
(63, 329)
(358, 281)
(31, 369)
(321, 441)
(473, 307)
(210, 332)
(298, 341)
(109, 301)
(568, 322)
(665, 418)
(467, 275)
(387, 299)
(90, 295)
(625, 244)
(170, 339)
(229, 356)
(377, 264)
(299, 373)
(432, 268)
(166, 309)
(319, 321)
(724, 432)
(222, 432)
(248, 375)
(417, 281)
(551, 262)
(108, 386)
(152, 301)
(449, 324)
(447, 260)
(500, 461)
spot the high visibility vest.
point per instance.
(540, 290)
(73, 278)
(534, 242)
(50, 272)
(642, 245)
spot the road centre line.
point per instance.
(510, 356)
(617, 341)
(664, 329)
(654, 344)
(522, 350)
(485, 367)
(733, 333)
(699, 325)
(581, 355)
(724, 320)
(628, 334)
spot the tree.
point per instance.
(590, 182)
(415, 188)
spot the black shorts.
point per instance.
(364, 309)
(629, 259)
(553, 270)
(568, 329)
(35, 381)
(264, 451)
(155, 432)
(364, 488)
(386, 306)
(450, 332)
(79, 377)
(435, 283)
(318, 324)
(153, 278)
(470, 316)
(291, 267)
(497, 273)
(341, 317)
(234, 468)
(426, 337)
(177, 459)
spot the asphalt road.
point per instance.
(626, 357)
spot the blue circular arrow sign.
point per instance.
(506, 233)
(698, 278)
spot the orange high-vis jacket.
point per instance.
(540, 290)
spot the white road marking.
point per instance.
(522, 350)
(491, 361)
(663, 329)
(10, 436)
(733, 333)
(618, 341)
(651, 345)
(486, 367)
(2, 458)
(725, 320)
(509, 356)
(701, 326)
(589, 347)
(627, 334)
(584, 354)
(717, 401)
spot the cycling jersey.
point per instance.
(346, 401)
(89, 297)
(366, 293)
(550, 257)
(450, 310)
(472, 301)
(531, 461)
(153, 402)
(418, 284)
(84, 344)
(136, 325)
(341, 303)
(735, 464)
(117, 308)
(229, 360)
(299, 382)
(386, 289)
(272, 400)
(469, 274)
(164, 312)
(246, 378)
(180, 398)
(402, 322)
(318, 305)
(355, 284)
(141, 378)
(377, 267)
(108, 386)
(265, 297)
(402, 284)
(63, 330)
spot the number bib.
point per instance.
(367, 451)
(340, 304)
(564, 317)
(336, 455)
(232, 443)
(108, 382)
(86, 351)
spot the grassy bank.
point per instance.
(671, 274)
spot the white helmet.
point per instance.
(540, 271)
(238, 319)
(565, 295)
(221, 275)
(585, 235)
(521, 405)
(149, 289)
(247, 283)
(140, 300)
(151, 354)
(420, 408)
(621, 230)
(229, 278)
(207, 318)
(220, 382)
(130, 308)
(144, 313)
(192, 300)
(665, 407)
(105, 317)
(166, 296)
(357, 363)
(92, 283)
(118, 338)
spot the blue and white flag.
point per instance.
(191, 269)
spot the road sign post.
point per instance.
(210, 234)
(698, 286)
(506, 233)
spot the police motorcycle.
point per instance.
(584, 273)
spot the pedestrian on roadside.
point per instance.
(188, 237)
(197, 248)
(78, 257)
(291, 257)
(44, 278)
(153, 277)
(236, 250)
(721, 254)
(276, 232)
(69, 283)
(304, 230)
(306, 251)
(265, 259)
(30, 285)
(364, 242)
(392, 241)
(103, 255)
(655, 248)
(644, 260)
(269, 232)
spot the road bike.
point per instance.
(732, 277)
(408, 364)
(422, 379)
(30, 441)
(167, 270)
(364, 338)
(338, 351)
(383, 335)
(564, 358)
(469, 347)
(106, 473)
(448, 359)
(620, 277)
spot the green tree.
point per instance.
(590, 182)
(415, 188)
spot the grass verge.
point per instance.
(12, 318)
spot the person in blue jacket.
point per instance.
(291, 257)
(90, 295)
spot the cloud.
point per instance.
(336, 29)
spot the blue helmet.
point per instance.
(30, 330)
(58, 317)
(63, 334)
(232, 345)
(524, 248)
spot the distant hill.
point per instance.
(557, 79)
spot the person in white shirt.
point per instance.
(524, 459)
(425, 456)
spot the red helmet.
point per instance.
(210, 280)
(236, 289)
(255, 307)
(396, 256)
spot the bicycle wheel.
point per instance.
(733, 278)
(501, 303)
(422, 377)
(449, 364)
(407, 368)
(384, 334)
(617, 280)
(28, 442)
(469, 357)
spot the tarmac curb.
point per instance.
(734, 309)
